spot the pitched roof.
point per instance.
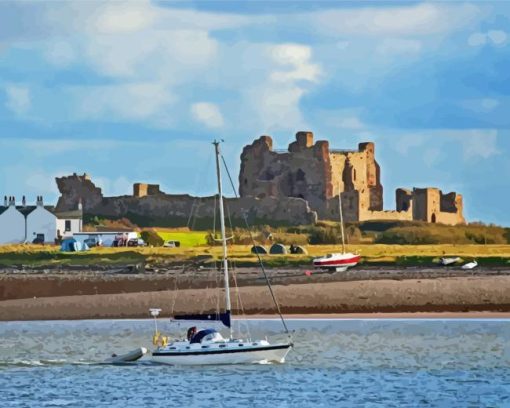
(27, 209)
(3, 209)
(70, 215)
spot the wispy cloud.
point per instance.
(496, 38)
(402, 20)
(18, 98)
(207, 113)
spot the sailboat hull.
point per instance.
(253, 355)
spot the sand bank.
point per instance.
(466, 294)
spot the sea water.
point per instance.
(365, 363)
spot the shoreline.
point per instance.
(477, 296)
(436, 316)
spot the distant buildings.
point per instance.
(39, 223)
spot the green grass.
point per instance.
(373, 254)
(187, 239)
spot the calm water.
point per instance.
(366, 363)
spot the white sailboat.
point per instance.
(208, 346)
(338, 261)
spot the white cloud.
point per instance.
(497, 37)
(396, 46)
(113, 186)
(60, 53)
(207, 113)
(479, 143)
(483, 105)
(473, 143)
(129, 102)
(124, 17)
(18, 98)
(492, 37)
(477, 39)
(277, 108)
(431, 156)
(405, 143)
(415, 20)
(297, 57)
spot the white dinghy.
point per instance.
(129, 357)
(470, 265)
(208, 346)
(445, 261)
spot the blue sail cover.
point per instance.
(209, 317)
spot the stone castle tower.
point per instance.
(318, 174)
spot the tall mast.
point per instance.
(341, 219)
(222, 224)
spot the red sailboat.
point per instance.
(339, 261)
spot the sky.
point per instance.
(136, 91)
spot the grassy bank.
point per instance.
(373, 254)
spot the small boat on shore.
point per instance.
(339, 261)
(445, 261)
(470, 265)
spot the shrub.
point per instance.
(152, 238)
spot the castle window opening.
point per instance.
(300, 175)
(433, 220)
(354, 175)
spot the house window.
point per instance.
(68, 225)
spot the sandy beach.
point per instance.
(485, 295)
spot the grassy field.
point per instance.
(187, 239)
(372, 254)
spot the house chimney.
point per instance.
(23, 201)
(5, 201)
(12, 201)
(39, 201)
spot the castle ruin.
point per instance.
(292, 187)
(317, 174)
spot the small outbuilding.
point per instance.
(258, 249)
(278, 249)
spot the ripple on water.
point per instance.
(334, 363)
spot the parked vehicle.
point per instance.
(136, 242)
(93, 242)
(39, 239)
(172, 244)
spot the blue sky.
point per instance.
(135, 91)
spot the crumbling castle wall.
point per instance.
(290, 187)
(311, 171)
(75, 187)
(180, 210)
(318, 174)
(142, 189)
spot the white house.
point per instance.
(12, 223)
(69, 223)
(39, 223)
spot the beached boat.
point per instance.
(470, 265)
(340, 261)
(445, 261)
(207, 345)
